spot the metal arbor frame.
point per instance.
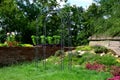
(62, 38)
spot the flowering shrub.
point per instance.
(11, 44)
(10, 41)
(115, 71)
(95, 66)
(114, 78)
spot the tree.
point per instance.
(87, 24)
(23, 16)
(11, 18)
(108, 23)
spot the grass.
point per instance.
(29, 71)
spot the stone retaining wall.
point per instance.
(112, 43)
(13, 55)
(105, 43)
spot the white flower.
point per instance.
(8, 33)
(12, 33)
(102, 54)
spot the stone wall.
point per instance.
(105, 43)
(112, 43)
(12, 55)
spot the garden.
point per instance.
(42, 40)
(87, 63)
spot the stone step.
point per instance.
(116, 50)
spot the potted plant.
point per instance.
(56, 39)
(33, 39)
(49, 39)
(43, 39)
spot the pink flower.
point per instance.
(114, 78)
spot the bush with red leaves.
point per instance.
(114, 78)
(115, 71)
(95, 66)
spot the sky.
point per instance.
(84, 3)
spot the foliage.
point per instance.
(107, 24)
(84, 48)
(3, 45)
(75, 23)
(115, 70)
(107, 60)
(11, 18)
(11, 37)
(83, 59)
(2, 36)
(27, 71)
(25, 45)
(95, 66)
(56, 39)
(23, 16)
(43, 39)
(114, 78)
(34, 39)
(100, 49)
(49, 39)
(11, 41)
(89, 57)
(59, 53)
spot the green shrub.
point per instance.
(56, 39)
(49, 39)
(100, 49)
(84, 48)
(89, 57)
(107, 60)
(33, 39)
(59, 52)
(43, 39)
(2, 45)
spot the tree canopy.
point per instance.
(108, 23)
(23, 16)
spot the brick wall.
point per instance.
(12, 55)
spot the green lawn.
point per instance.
(28, 71)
